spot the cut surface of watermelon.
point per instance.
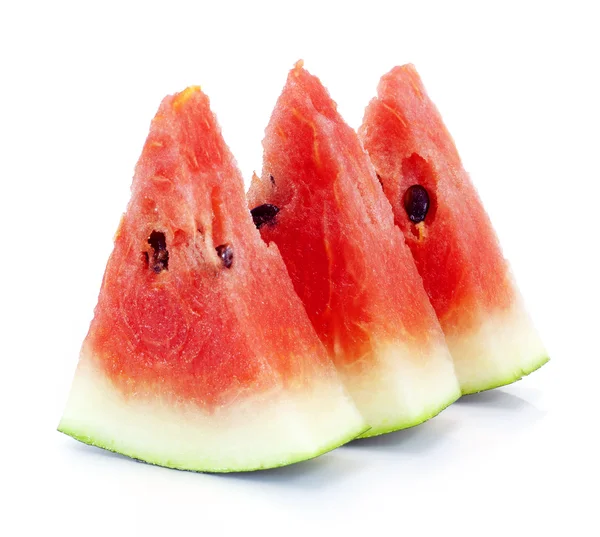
(200, 355)
(490, 335)
(320, 202)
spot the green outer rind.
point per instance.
(412, 423)
(166, 464)
(535, 365)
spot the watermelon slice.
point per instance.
(490, 335)
(200, 355)
(320, 202)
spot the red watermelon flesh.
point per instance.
(489, 333)
(200, 355)
(348, 261)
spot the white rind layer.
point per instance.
(502, 350)
(269, 430)
(398, 386)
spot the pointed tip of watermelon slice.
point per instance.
(302, 77)
(183, 96)
(407, 72)
(303, 93)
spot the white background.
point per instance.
(518, 86)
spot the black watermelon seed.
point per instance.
(225, 252)
(160, 254)
(272, 179)
(264, 214)
(416, 203)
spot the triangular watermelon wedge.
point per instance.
(200, 355)
(319, 200)
(490, 335)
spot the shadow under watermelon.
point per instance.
(423, 438)
(326, 470)
(497, 399)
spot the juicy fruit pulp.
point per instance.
(490, 336)
(183, 365)
(348, 261)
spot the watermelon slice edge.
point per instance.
(183, 365)
(489, 332)
(348, 262)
